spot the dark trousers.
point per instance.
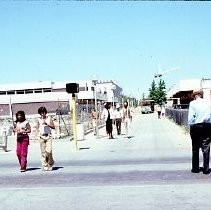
(109, 127)
(201, 137)
(159, 113)
(118, 126)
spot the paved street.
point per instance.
(151, 170)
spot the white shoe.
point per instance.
(44, 168)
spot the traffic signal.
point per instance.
(72, 87)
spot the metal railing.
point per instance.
(64, 126)
(63, 122)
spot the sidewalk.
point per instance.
(149, 135)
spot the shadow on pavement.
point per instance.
(2, 150)
(129, 137)
(32, 169)
(8, 150)
(57, 168)
(82, 148)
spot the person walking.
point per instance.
(107, 115)
(199, 119)
(21, 129)
(45, 126)
(126, 118)
(163, 111)
(159, 111)
(118, 119)
(95, 117)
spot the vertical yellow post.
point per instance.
(74, 120)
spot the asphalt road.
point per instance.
(151, 170)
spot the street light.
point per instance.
(161, 73)
(96, 107)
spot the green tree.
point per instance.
(153, 91)
(161, 92)
(157, 92)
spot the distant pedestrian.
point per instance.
(163, 111)
(159, 111)
(21, 129)
(131, 113)
(126, 118)
(199, 119)
(107, 115)
(45, 125)
(118, 118)
(95, 118)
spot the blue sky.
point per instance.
(124, 41)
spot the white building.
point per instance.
(111, 89)
(205, 85)
(30, 96)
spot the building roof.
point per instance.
(184, 85)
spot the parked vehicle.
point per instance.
(146, 110)
(147, 106)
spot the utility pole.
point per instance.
(96, 109)
(74, 121)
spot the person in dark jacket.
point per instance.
(107, 115)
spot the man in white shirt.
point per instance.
(118, 118)
(199, 119)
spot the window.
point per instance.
(11, 92)
(19, 91)
(38, 90)
(82, 88)
(45, 90)
(28, 91)
(2, 92)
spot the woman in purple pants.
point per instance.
(22, 128)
